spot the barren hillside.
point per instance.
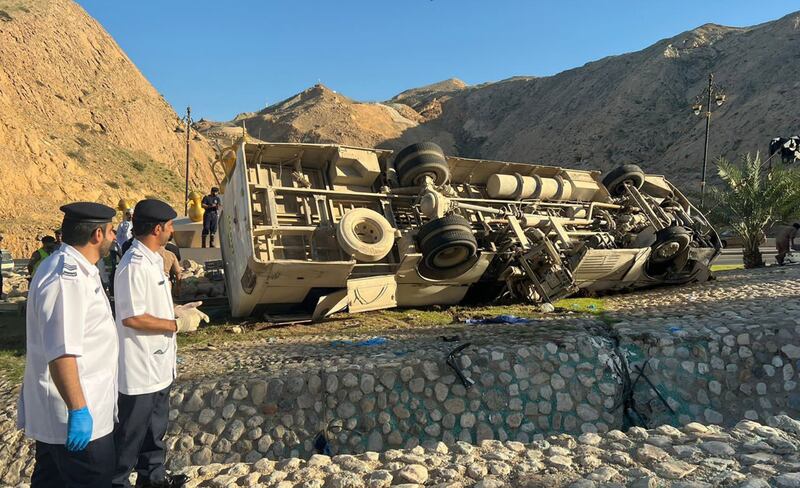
(636, 107)
(78, 121)
(629, 108)
(319, 114)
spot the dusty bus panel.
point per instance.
(311, 229)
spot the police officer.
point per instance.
(147, 322)
(212, 204)
(69, 393)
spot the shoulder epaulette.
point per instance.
(69, 268)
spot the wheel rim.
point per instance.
(450, 256)
(367, 231)
(670, 249)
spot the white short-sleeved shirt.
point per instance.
(68, 314)
(146, 359)
(124, 232)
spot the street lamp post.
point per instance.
(711, 91)
(186, 188)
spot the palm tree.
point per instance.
(752, 199)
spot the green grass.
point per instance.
(362, 324)
(379, 323)
(12, 347)
(12, 365)
(726, 267)
(586, 305)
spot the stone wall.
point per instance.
(521, 393)
(376, 400)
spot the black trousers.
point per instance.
(57, 467)
(139, 436)
(209, 223)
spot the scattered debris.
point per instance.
(374, 341)
(452, 361)
(500, 319)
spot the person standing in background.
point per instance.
(49, 246)
(172, 269)
(212, 204)
(125, 229)
(784, 241)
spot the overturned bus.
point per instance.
(308, 230)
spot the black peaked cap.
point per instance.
(90, 212)
(152, 210)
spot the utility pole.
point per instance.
(188, 130)
(705, 150)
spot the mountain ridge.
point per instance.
(626, 108)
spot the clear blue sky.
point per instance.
(223, 58)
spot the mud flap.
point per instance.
(361, 295)
(329, 304)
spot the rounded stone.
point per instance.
(239, 393)
(587, 413)
(367, 383)
(563, 402)
(413, 473)
(349, 380)
(258, 392)
(388, 379)
(206, 416)
(228, 411)
(454, 405)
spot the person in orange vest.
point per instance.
(49, 246)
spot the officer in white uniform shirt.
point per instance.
(147, 325)
(69, 393)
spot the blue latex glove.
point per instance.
(79, 429)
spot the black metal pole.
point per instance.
(186, 189)
(705, 151)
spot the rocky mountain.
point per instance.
(319, 114)
(631, 108)
(78, 121)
